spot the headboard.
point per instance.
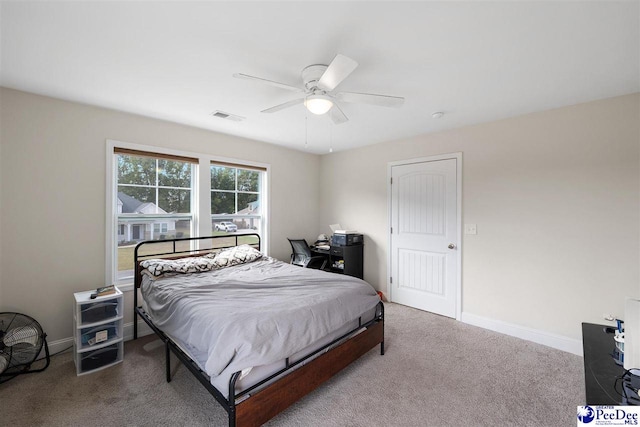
(187, 247)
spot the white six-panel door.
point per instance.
(424, 236)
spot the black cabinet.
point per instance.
(343, 259)
(606, 381)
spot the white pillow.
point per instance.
(237, 255)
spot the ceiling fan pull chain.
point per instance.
(330, 137)
(306, 130)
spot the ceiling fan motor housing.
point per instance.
(311, 75)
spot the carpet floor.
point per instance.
(436, 372)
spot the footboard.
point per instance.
(278, 396)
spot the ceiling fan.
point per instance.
(319, 82)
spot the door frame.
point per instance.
(458, 157)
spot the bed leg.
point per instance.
(167, 360)
(232, 398)
(135, 314)
(381, 316)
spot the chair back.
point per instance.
(301, 252)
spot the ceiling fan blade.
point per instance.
(269, 82)
(370, 98)
(283, 106)
(337, 115)
(336, 72)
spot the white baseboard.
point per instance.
(58, 346)
(143, 329)
(545, 338)
(66, 343)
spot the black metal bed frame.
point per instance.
(229, 404)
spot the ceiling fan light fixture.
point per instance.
(318, 104)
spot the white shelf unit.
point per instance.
(98, 337)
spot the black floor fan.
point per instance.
(21, 340)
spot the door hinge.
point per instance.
(390, 279)
(391, 181)
(391, 230)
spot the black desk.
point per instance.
(600, 368)
(351, 257)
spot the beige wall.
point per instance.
(1, 204)
(555, 196)
(52, 176)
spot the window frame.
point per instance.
(235, 216)
(200, 198)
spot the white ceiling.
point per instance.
(475, 61)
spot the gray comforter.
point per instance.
(253, 314)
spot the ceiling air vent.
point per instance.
(227, 116)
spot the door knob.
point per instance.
(451, 246)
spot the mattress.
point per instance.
(253, 316)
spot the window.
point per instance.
(158, 194)
(236, 196)
(154, 199)
(160, 227)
